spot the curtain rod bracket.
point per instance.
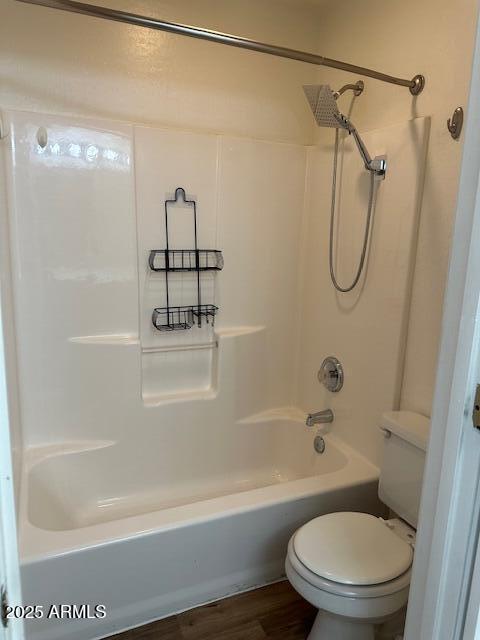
(418, 84)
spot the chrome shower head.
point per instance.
(323, 103)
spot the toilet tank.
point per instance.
(401, 473)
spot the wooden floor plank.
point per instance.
(274, 612)
(292, 622)
(203, 622)
(251, 630)
(166, 629)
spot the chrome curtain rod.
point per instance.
(416, 84)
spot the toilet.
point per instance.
(355, 567)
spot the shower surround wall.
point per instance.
(85, 214)
(140, 460)
(367, 327)
(82, 373)
(175, 438)
(168, 80)
(127, 73)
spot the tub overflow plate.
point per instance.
(319, 444)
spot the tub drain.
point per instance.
(319, 444)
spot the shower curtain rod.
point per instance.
(416, 84)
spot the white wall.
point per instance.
(65, 63)
(405, 37)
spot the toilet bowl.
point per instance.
(355, 568)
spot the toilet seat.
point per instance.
(396, 585)
(351, 549)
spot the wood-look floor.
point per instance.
(275, 612)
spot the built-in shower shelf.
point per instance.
(183, 318)
(185, 260)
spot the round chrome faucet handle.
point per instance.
(331, 374)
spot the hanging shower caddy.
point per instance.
(174, 318)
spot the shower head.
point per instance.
(323, 103)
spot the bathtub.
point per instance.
(155, 535)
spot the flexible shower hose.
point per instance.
(332, 224)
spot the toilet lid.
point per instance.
(352, 548)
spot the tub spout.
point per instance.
(320, 417)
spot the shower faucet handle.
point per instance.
(331, 374)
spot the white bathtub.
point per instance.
(153, 535)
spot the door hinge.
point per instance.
(4, 605)
(476, 408)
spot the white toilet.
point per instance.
(356, 567)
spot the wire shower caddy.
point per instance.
(175, 318)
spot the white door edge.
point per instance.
(9, 564)
(9, 560)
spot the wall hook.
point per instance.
(455, 124)
(42, 137)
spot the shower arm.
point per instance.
(376, 165)
(361, 147)
(415, 85)
(357, 89)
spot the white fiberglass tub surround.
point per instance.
(173, 535)
(157, 473)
